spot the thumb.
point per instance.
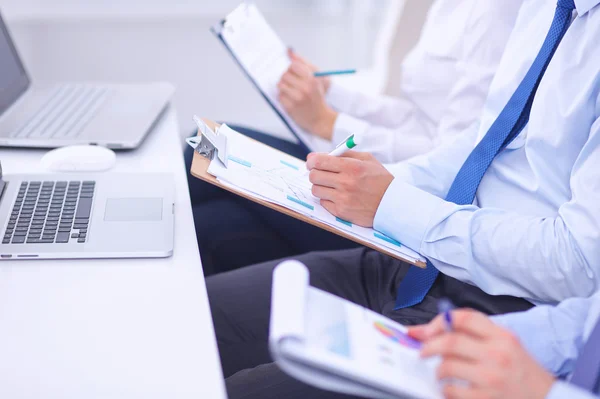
(361, 156)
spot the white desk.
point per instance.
(111, 328)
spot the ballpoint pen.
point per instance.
(445, 308)
(331, 73)
(345, 146)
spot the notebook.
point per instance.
(336, 345)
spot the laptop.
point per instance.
(85, 216)
(57, 115)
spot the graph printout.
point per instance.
(271, 175)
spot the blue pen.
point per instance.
(330, 73)
(446, 307)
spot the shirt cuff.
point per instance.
(339, 97)
(563, 390)
(404, 213)
(345, 125)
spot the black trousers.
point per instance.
(224, 220)
(240, 304)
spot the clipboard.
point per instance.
(246, 8)
(201, 163)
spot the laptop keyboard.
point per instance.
(50, 212)
(67, 112)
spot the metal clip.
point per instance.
(209, 143)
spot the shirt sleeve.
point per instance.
(389, 128)
(503, 252)
(554, 336)
(564, 390)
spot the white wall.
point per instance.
(140, 40)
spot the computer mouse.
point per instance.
(79, 158)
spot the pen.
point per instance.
(344, 147)
(330, 73)
(445, 307)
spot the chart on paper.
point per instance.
(265, 173)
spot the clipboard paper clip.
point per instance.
(209, 143)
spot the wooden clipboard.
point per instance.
(199, 170)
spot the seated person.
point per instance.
(445, 83)
(507, 215)
(518, 355)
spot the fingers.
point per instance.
(324, 162)
(459, 369)
(464, 320)
(324, 179)
(287, 103)
(329, 206)
(295, 57)
(323, 193)
(429, 331)
(288, 91)
(292, 80)
(362, 156)
(473, 323)
(419, 332)
(454, 345)
(463, 392)
(300, 70)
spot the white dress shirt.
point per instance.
(534, 230)
(445, 80)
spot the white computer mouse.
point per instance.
(79, 158)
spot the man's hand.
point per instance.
(350, 187)
(302, 95)
(490, 359)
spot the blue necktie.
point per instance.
(586, 372)
(511, 121)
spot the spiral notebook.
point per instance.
(336, 345)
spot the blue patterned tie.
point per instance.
(511, 121)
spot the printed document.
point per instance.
(264, 57)
(336, 345)
(276, 177)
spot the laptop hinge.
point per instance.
(2, 182)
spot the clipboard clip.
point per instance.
(209, 143)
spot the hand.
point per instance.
(350, 187)
(489, 358)
(303, 97)
(325, 81)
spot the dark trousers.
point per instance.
(240, 304)
(233, 232)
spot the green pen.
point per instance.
(347, 145)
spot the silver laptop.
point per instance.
(114, 116)
(86, 216)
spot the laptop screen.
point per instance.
(13, 78)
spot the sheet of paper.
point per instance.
(282, 179)
(354, 339)
(263, 55)
(342, 346)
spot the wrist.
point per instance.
(543, 386)
(325, 124)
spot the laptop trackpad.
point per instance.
(133, 210)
